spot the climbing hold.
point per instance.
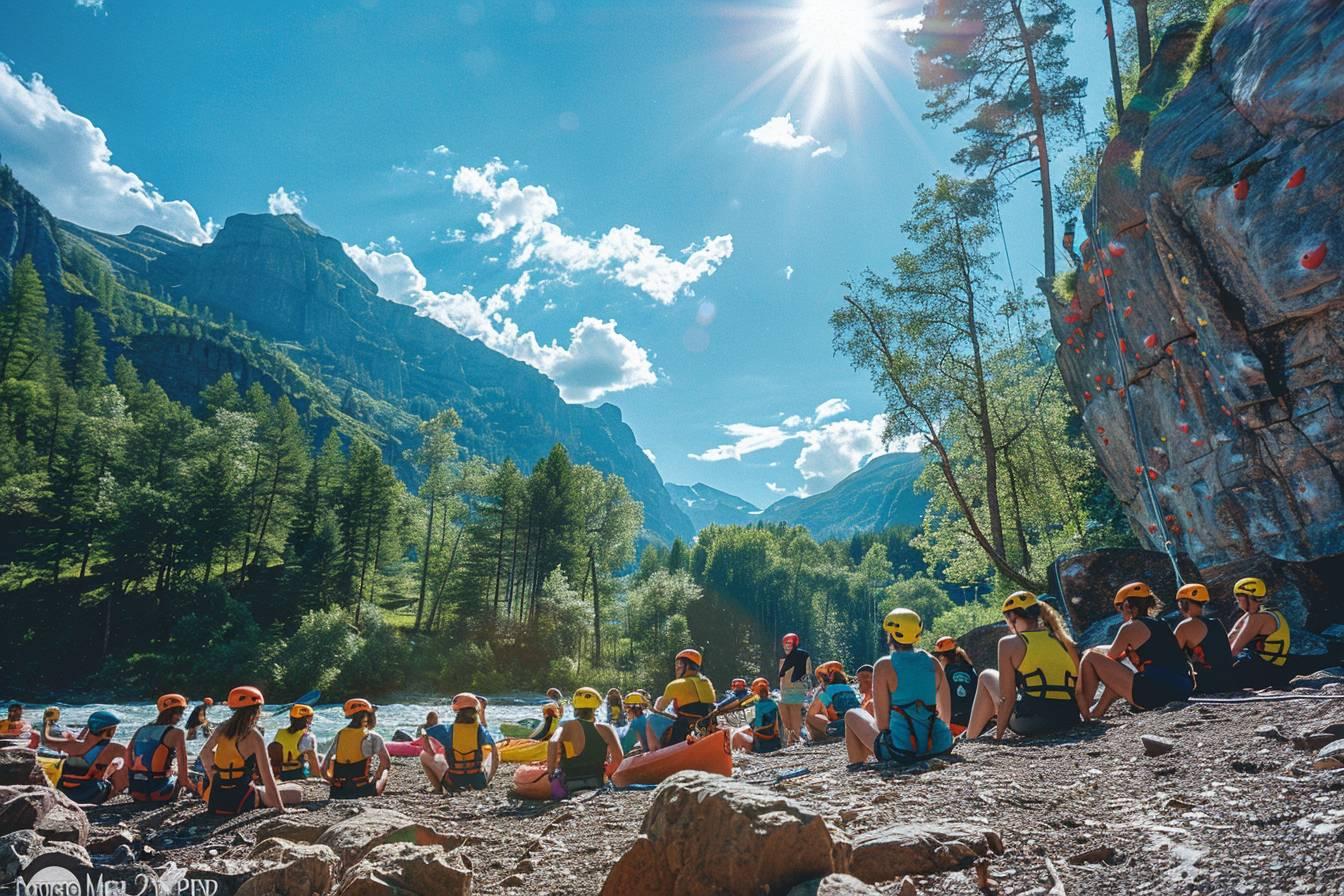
(1110, 307)
(1197, 442)
(1087, 395)
(1182, 404)
(1069, 341)
(1183, 427)
(1117, 249)
(1105, 441)
(1312, 260)
(1097, 378)
(1150, 340)
(1296, 180)
(1152, 528)
(1129, 293)
(1138, 471)
(1241, 189)
(1185, 281)
(1110, 380)
(1129, 309)
(1072, 318)
(1107, 272)
(1152, 474)
(1101, 429)
(1122, 346)
(1101, 334)
(1202, 322)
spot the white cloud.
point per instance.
(598, 360)
(780, 132)
(788, 272)
(749, 438)
(442, 150)
(95, 5)
(776, 489)
(831, 407)
(65, 160)
(284, 202)
(905, 23)
(833, 451)
(622, 253)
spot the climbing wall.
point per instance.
(1204, 344)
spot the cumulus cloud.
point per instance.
(781, 132)
(524, 211)
(95, 5)
(834, 450)
(831, 407)
(442, 150)
(598, 360)
(65, 160)
(283, 202)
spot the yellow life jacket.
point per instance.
(1047, 671)
(349, 765)
(21, 728)
(466, 751)
(691, 691)
(231, 768)
(1273, 648)
(292, 759)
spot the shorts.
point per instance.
(1251, 670)
(294, 774)
(794, 694)
(563, 785)
(836, 728)
(352, 791)
(232, 800)
(95, 791)
(765, 745)
(1209, 682)
(940, 742)
(1152, 690)
(476, 781)
(1032, 718)
(153, 790)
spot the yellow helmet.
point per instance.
(1250, 587)
(1133, 589)
(635, 698)
(1019, 600)
(904, 625)
(300, 711)
(1193, 592)
(586, 698)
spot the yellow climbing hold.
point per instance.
(1185, 281)
(1202, 322)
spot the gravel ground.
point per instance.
(1227, 811)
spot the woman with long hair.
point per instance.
(349, 761)
(961, 678)
(1160, 673)
(158, 754)
(1033, 691)
(795, 667)
(826, 714)
(234, 755)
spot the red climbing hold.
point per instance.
(1101, 429)
(1097, 378)
(1296, 180)
(1069, 341)
(1117, 249)
(1152, 474)
(1122, 346)
(1110, 380)
(1150, 340)
(1152, 527)
(1241, 189)
(1129, 293)
(1129, 309)
(1105, 441)
(1312, 260)
(1072, 318)
(1107, 272)
(1101, 334)
(1183, 427)
(1087, 395)
(1182, 404)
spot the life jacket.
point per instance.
(292, 759)
(15, 730)
(961, 678)
(78, 770)
(233, 773)
(1160, 655)
(1047, 671)
(349, 765)
(615, 714)
(765, 728)
(838, 700)
(694, 698)
(151, 758)
(914, 726)
(588, 767)
(545, 729)
(1212, 656)
(466, 753)
(1273, 648)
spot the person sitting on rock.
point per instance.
(469, 759)
(961, 678)
(764, 734)
(1160, 673)
(15, 728)
(863, 683)
(826, 716)
(350, 759)
(615, 708)
(1259, 639)
(293, 752)
(550, 717)
(580, 752)
(234, 755)
(1033, 691)
(94, 770)
(198, 723)
(158, 754)
(690, 696)
(1204, 640)
(912, 697)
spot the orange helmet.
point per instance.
(1193, 592)
(465, 700)
(209, 701)
(760, 687)
(944, 644)
(1133, 589)
(244, 696)
(739, 684)
(300, 711)
(171, 701)
(551, 710)
(356, 705)
(690, 653)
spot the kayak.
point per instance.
(531, 782)
(409, 748)
(51, 767)
(708, 754)
(520, 728)
(522, 749)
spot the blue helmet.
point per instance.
(103, 719)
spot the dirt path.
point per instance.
(1228, 811)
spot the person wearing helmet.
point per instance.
(1041, 661)
(580, 752)
(349, 762)
(615, 708)
(234, 755)
(738, 690)
(158, 754)
(826, 714)
(469, 759)
(912, 698)
(293, 752)
(94, 770)
(14, 727)
(961, 678)
(1259, 640)
(1204, 641)
(630, 737)
(795, 667)
(763, 734)
(554, 695)
(53, 734)
(863, 683)
(431, 719)
(690, 696)
(550, 717)
(1160, 673)
(198, 723)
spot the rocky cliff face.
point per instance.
(1213, 270)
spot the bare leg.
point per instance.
(816, 727)
(290, 795)
(791, 714)
(860, 735)
(380, 783)
(115, 770)
(1119, 681)
(435, 767)
(742, 738)
(986, 705)
(1086, 691)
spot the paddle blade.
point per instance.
(309, 698)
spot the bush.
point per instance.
(921, 594)
(961, 619)
(315, 655)
(380, 660)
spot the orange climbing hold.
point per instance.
(1117, 249)
(1129, 309)
(1122, 346)
(1296, 180)
(1152, 474)
(1242, 189)
(1312, 260)
(1107, 272)
(1150, 340)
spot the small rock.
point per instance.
(524, 866)
(1095, 854)
(1314, 740)
(849, 814)
(406, 869)
(106, 844)
(295, 828)
(907, 887)
(293, 869)
(833, 885)
(995, 842)
(512, 881)
(1330, 756)
(45, 810)
(923, 848)
(18, 767)
(1156, 746)
(1270, 731)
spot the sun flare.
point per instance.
(836, 30)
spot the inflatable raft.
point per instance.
(708, 754)
(409, 747)
(522, 749)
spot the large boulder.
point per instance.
(1086, 583)
(706, 833)
(925, 848)
(292, 869)
(49, 812)
(834, 885)
(1216, 239)
(16, 849)
(353, 836)
(297, 828)
(406, 869)
(18, 766)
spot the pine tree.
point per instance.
(23, 322)
(87, 363)
(221, 395)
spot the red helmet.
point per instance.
(790, 638)
(739, 684)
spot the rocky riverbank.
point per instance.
(1208, 799)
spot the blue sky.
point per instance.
(513, 169)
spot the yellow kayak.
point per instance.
(51, 767)
(521, 749)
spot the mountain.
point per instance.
(706, 505)
(877, 495)
(271, 300)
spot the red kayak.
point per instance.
(409, 747)
(708, 754)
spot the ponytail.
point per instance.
(1055, 623)
(964, 656)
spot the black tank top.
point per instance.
(961, 681)
(1213, 654)
(1160, 654)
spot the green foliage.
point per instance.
(1066, 285)
(922, 594)
(964, 617)
(1214, 18)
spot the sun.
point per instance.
(832, 31)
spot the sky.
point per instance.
(654, 203)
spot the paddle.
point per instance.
(309, 698)
(727, 706)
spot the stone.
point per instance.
(353, 836)
(697, 818)
(1095, 854)
(106, 844)
(833, 885)
(1270, 731)
(302, 869)
(43, 809)
(18, 766)
(1086, 581)
(296, 828)
(924, 848)
(1330, 756)
(1156, 746)
(407, 869)
(65, 823)
(512, 881)
(907, 887)
(1314, 741)
(15, 849)
(71, 852)
(1333, 675)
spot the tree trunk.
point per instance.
(424, 565)
(597, 611)
(1046, 282)
(1143, 32)
(1116, 89)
